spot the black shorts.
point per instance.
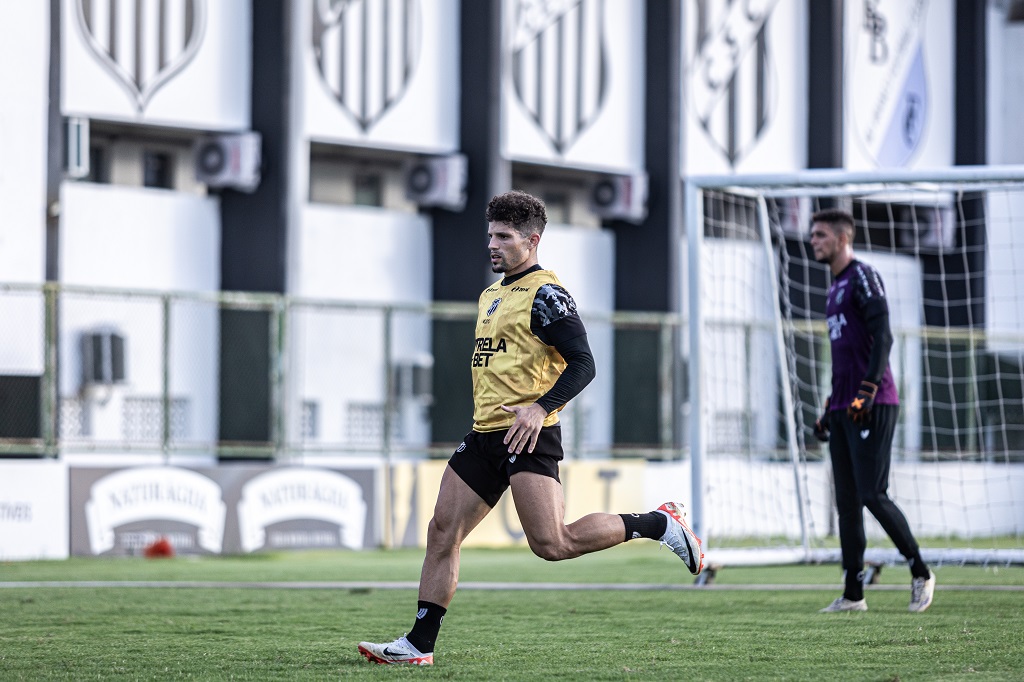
(482, 460)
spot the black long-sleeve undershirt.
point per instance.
(876, 320)
(568, 335)
(579, 371)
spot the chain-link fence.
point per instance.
(264, 376)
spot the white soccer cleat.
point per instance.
(843, 604)
(398, 651)
(680, 539)
(921, 592)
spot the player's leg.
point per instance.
(873, 458)
(470, 487)
(458, 511)
(852, 540)
(541, 507)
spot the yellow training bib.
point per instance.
(510, 365)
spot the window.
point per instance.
(368, 190)
(345, 176)
(157, 169)
(557, 204)
(565, 192)
(99, 164)
(310, 420)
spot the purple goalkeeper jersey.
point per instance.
(853, 289)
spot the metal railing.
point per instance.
(255, 375)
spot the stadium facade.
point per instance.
(230, 227)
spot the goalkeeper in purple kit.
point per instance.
(860, 415)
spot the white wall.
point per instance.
(355, 254)
(584, 260)
(363, 254)
(205, 83)
(418, 113)
(758, 499)
(740, 375)
(713, 113)
(24, 75)
(115, 236)
(1004, 217)
(156, 241)
(1005, 69)
(604, 132)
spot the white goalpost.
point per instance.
(949, 245)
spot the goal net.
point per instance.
(949, 246)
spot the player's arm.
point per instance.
(870, 298)
(823, 424)
(579, 370)
(876, 320)
(555, 322)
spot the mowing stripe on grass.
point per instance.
(358, 585)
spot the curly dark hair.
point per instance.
(838, 219)
(524, 212)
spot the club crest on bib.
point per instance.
(494, 306)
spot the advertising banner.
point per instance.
(221, 510)
(598, 486)
(33, 510)
(899, 84)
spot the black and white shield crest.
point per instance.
(142, 44)
(731, 78)
(559, 65)
(366, 52)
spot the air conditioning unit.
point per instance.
(620, 197)
(413, 380)
(437, 181)
(102, 357)
(230, 160)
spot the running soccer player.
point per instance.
(531, 356)
(860, 415)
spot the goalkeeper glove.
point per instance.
(860, 409)
(821, 424)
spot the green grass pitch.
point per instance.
(751, 624)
